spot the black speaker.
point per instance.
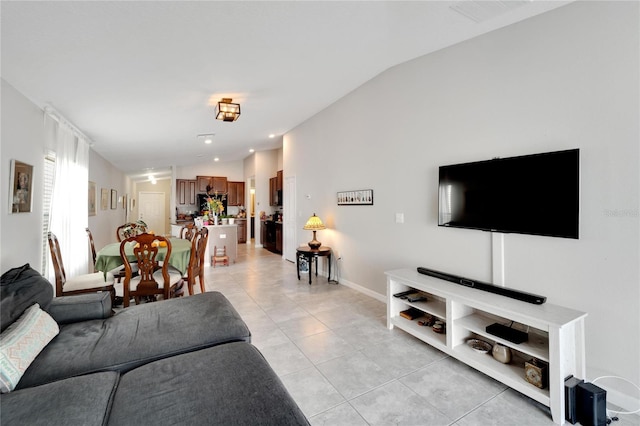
(592, 405)
(571, 399)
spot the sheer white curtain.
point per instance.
(69, 214)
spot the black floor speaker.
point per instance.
(592, 405)
(571, 399)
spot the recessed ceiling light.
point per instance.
(208, 141)
(216, 159)
(271, 136)
(252, 150)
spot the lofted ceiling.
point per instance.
(141, 78)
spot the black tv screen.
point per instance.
(532, 194)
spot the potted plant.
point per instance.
(224, 219)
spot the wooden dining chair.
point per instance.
(188, 231)
(118, 273)
(196, 260)
(130, 229)
(84, 283)
(154, 277)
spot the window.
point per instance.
(47, 192)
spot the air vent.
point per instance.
(480, 11)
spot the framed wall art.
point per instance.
(360, 197)
(104, 199)
(20, 192)
(92, 199)
(114, 199)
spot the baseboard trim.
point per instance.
(379, 297)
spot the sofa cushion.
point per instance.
(20, 288)
(81, 307)
(84, 400)
(229, 384)
(136, 336)
(21, 342)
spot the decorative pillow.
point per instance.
(21, 343)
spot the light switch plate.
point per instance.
(399, 217)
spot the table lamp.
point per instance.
(313, 224)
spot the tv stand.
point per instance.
(556, 333)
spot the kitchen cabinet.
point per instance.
(186, 191)
(242, 230)
(202, 183)
(275, 189)
(235, 195)
(278, 238)
(272, 236)
(219, 184)
(273, 192)
(214, 183)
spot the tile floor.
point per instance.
(330, 346)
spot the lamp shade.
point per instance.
(227, 111)
(314, 224)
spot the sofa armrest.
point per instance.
(81, 307)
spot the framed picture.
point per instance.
(132, 204)
(20, 192)
(92, 198)
(360, 197)
(104, 198)
(114, 199)
(124, 201)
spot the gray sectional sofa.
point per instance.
(181, 361)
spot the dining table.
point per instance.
(108, 258)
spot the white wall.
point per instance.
(103, 225)
(23, 140)
(231, 169)
(565, 79)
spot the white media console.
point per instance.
(556, 334)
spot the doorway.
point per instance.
(151, 210)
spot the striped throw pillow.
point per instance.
(21, 343)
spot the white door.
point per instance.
(289, 213)
(151, 211)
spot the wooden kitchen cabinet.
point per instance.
(216, 184)
(235, 195)
(279, 180)
(186, 191)
(242, 230)
(202, 183)
(219, 184)
(273, 192)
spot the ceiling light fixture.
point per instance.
(271, 136)
(216, 159)
(227, 111)
(252, 150)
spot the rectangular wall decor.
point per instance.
(92, 198)
(114, 199)
(360, 197)
(104, 198)
(20, 182)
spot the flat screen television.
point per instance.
(531, 194)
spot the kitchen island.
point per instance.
(219, 236)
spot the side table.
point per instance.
(311, 255)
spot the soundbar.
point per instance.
(503, 291)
